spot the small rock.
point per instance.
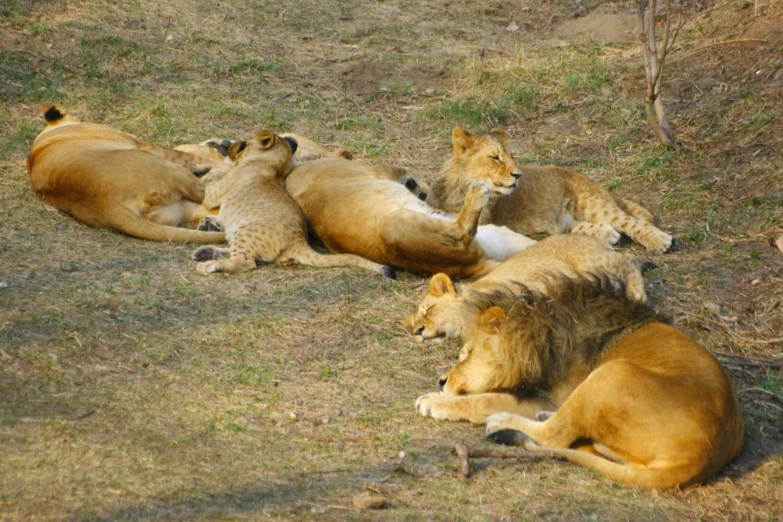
(3, 284)
(369, 502)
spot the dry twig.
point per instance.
(465, 454)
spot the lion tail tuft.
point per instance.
(52, 114)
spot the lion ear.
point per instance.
(461, 140)
(266, 138)
(236, 148)
(501, 134)
(493, 317)
(440, 284)
(292, 143)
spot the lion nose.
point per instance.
(516, 175)
(442, 382)
(419, 330)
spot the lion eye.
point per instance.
(495, 157)
(427, 310)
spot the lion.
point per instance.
(357, 208)
(261, 220)
(442, 311)
(633, 397)
(538, 199)
(108, 179)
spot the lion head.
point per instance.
(485, 362)
(277, 152)
(485, 157)
(439, 314)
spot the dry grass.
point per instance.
(132, 388)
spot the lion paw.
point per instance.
(607, 232)
(220, 145)
(660, 243)
(479, 195)
(208, 267)
(501, 421)
(542, 416)
(435, 405)
(205, 253)
(209, 224)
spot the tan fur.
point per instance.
(539, 199)
(635, 399)
(364, 210)
(261, 221)
(442, 310)
(205, 152)
(108, 179)
(309, 150)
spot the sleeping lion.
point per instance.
(444, 310)
(109, 179)
(365, 210)
(633, 397)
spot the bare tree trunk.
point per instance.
(653, 68)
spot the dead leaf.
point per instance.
(512, 27)
(779, 243)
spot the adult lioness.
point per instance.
(535, 199)
(108, 179)
(635, 398)
(261, 220)
(361, 209)
(443, 311)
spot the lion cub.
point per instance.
(446, 312)
(535, 199)
(261, 221)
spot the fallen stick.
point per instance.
(465, 454)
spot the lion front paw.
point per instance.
(606, 232)
(438, 406)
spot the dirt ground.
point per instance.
(132, 388)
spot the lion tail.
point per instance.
(136, 226)
(654, 478)
(55, 117)
(304, 254)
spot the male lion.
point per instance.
(443, 311)
(546, 199)
(108, 179)
(635, 398)
(261, 220)
(361, 209)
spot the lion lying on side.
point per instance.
(635, 398)
(108, 179)
(361, 209)
(443, 311)
(261, 221)
(546, 199)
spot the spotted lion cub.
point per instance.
(261, 221)
(535, 199)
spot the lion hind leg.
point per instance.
(475, 201)
(634, 209)
(602, 231)
(639, 230)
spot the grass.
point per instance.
(133, 388)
